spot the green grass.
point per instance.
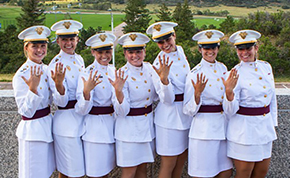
(207, 21)
(6, 77)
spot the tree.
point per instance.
(32, 14)
(227, 26)
(137, 17)
(164, 13)
(186, 27)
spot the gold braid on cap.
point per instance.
(209, 34)
(157, 27)
(133, 37)
(39, 30)
(66, 25)
(103, 37)
(243, 35)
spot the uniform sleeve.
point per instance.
(122, 109)
(83, 106)
(231, 107)
(27, 101)
(58, 99)
(189, 105)
(164, 92)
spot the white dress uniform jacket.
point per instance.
(138, 92)
(74, 65)
(206, 126)
(98, 128)
(168, 113)
(28, 103)
(255, 88)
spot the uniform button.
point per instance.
(103, 87)
(74, 62)
(218, 79)
(211, 65)
(147, 98)
(222, 112)
(210, 85)
(214, 71)
(176, 75)
(136, 87)
(149, 90)
(72, 76)
(179, 59)
(260, 78)
(221, 102)
(222, 88)
(183, 66)
(80, 70)
(250, 84)
(222, 97)
(264, 114)
(145, 114)
(264, 87)
(40, 87)
(145, 106)
(141, 73)
(111, 114)
(126, 68)
(265, 106)
(45, 80)
(145, 81)
(256, 69)
(265, 96)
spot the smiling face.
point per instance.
(103, 57)
(247, 54)
(68, 45)
(168, 45)
(135, 57)
(209, 54)
(36, 51)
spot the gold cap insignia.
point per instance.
(66, 25)
(243, 35)
(209, 34)
(157, 27)
(103, 37)
(39, 30)
(133, 37)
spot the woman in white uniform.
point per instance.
(172, 125)
(94, 94)
(203, 97)
(68, 128)
(133, 97)
(252, 107)
(33, 99)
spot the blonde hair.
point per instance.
(24, 48)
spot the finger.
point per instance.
(84, 80)
(122, 74)
(170, 64)
(111, 81)
(64, 71)
(38, 71)
(60, 67)
(98, 82)
(160, 62)
(125, 78)
(164, 62)
(97, 78)
(197, 78)
(56, 68)
(90, 76)
(34, 71)
(223, 80)
(52, 73)
(95, 74)
(25, 80)
(167, 60)
(115, 73)
(155, 69)
(31, 72)
(192, 82)
(206, 82)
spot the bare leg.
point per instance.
(225, 174)
(244, 169)
(128, 172)
(261, 168)
(60, 175)
(177, 171)
(167, 166)
(141, 171)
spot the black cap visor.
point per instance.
(163, 37)
(68, 36)
(134, 48)
(245, 46)
(103, 48)
(38, 42)
(209, 46)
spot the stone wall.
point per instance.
(9, 118)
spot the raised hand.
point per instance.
(199, 86)
(90, 84)
(118, 84)
(230, 84)
(58, 76)
(34, 79)
(163, 70)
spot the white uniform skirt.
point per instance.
(36, 159)
(250, 153)
(100, 158)
(171, 142)
(69, 156)
(131, 154)
(207, 158)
